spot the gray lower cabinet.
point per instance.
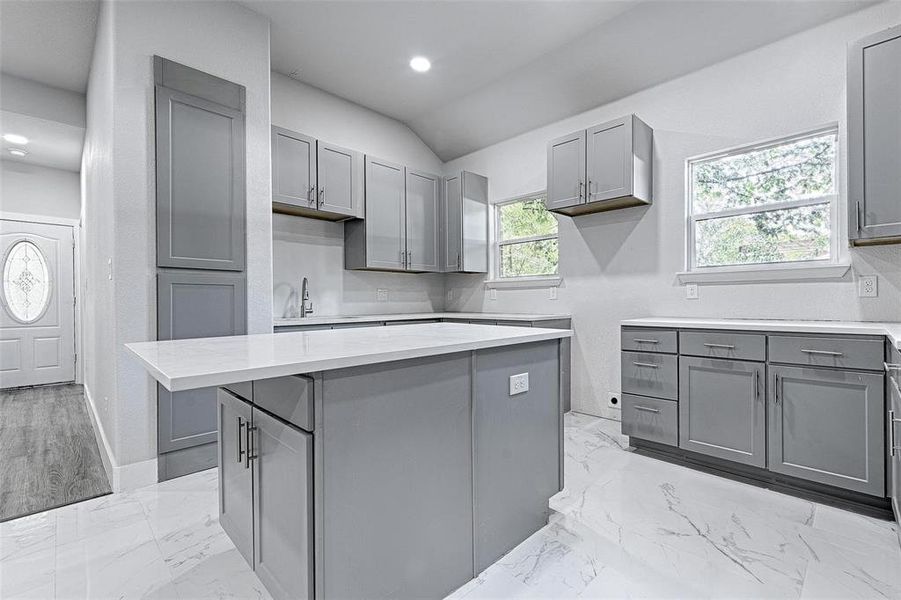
(515, 447)
(283, 507)
(464, 223)
(651, 419)
(235, 474)
(828, 426)
(722, 409)
(874, 138)
(894, 440)
(200, 191)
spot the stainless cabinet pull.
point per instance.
(891, 432)
(310, 198)
(403, 259)
(588, 192)
(776, 388)
(459, 266)
(238, 430)
(725, 346)
(644, 364)
(581, 185)
(646, 409)
(248, 454)
(757, 384)
(892, 366)
(823, 352)
(409, 258)
(645, 341)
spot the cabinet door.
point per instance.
(722, 412)
(895, 446)
(609, 160)
(828, 426)
(452, 224)
(385, 226)
(200, 196)
(422, 221)
(340, 180)
(293, 168)
(235, 477)
(475, 223)
(283, 507)
(566, 171)
(194, 304)
(874, 135)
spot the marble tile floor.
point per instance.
(625, 526)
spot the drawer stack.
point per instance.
(650, 384)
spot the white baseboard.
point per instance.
(121, 477)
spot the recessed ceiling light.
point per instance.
(18, 152)
(420, 64)
(14, 138)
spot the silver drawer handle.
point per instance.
(726, 346)
(249, 454)
(891, 432)
(823, 352)
(643, 341)
(644, 364)
(646, 409)
(892, 366)
(238, 430)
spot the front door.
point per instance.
(37, 322)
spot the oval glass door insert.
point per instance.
(26, 282)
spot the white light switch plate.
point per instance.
(519, 383)
(492, 294)
(553, 293)
(691, 291)
(868, 286)
(381, 295)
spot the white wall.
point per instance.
(35, 190)
(232, 43)
(36, 99)
(314, 249)
(622, 264)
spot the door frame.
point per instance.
(76, 226)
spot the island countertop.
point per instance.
(195, 363)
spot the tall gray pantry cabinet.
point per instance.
(200, 241)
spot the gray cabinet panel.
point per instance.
(823, 351)
(377, 242)
(377, 539)
(283, 507)
(293, 168)
(651, 419)
(828, 426)
(874, 134)
(515, 446)
(452, 224)
(475, 223)
(289, 398)
(422, 216)
(192, 304)
(339, 177)
(653, 375)
(894, 451)
(644, 339)
(722, 409)
(609, 160)
(200, 193)
(235, 477)
(566, 171)
(719, 344)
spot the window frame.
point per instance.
(797, 266)
(550, 280)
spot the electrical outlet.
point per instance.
(691, 291)
(381, 295)
(519, 383)
(492, 294)
(553, 293)
(868, 286)
(613, 401)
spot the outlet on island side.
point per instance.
(519, 383)
(381, 295)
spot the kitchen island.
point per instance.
(378, 462)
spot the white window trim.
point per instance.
(524, 282)
(831, 268)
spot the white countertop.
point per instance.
(890, 329)
(338, 319)
(195, 363)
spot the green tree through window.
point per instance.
(527, 239)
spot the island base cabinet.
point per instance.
(235, 475)
(722, 412)
(283, 507)
(828, 426)
(894, 453)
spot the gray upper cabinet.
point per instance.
(235, 476)
(828, 426)
(423, 210)
(293, 169)
(464, 227)
(722, 409)
(312, 178)
(602, 168)
(340, 181)
(874, 138)
(200, 192)
(566, 171)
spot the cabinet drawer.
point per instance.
(845, 353)
(719, 344)
(243, 389)
(651, 419)
(644, 339)
(289, 398)
(650, 375)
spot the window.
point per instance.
(26, 282)
(526, 239)
(763, 205)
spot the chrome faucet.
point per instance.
(306, 307)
